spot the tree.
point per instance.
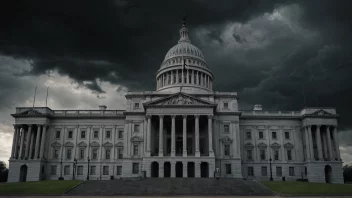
(4, 172)
(347, 173)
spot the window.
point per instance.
(107, 154)
(289, 155)
(276, 155)
(287, 135)
(135, 149)
(264, 171)
(136, 105)
(120, 134)
(95, 154)
(249, 155)
(262, 154)
(226, 105)
(68, 153)
(292, 171)
(83, 134)
(227, 150)
(53, 170)
(118, 170)
(70, 134)
(228, 168)
(135, 168)
(248, 135)
(273, 134)
(226, 128)
(96, 134)
(57, 135)
(278, 171)
(250, 171)
(261, 135)
(136, 128)
(108, 134)
(93, 170)
(56, 154)
(79, 170)
(81, 154)
(105, 170)
(120, 154)
(67, 170)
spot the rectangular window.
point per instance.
(250, 171)
(120, 134)
(287, 135)
(228, 168)
(105, 170)
(135, 168)
(264, 171)
(57, 135)
(79, 170)
(95, 154)
(70, 134)
(53, 170)
(83, 134)
(56, 154)
(136, 127)
(292, 171)
(261, 135)
(108, 134)
(289, 155)
(96, 134)
(118, 170)
(120, 153)
(226, 105)
(136, 105)
(273, 134)
(67, 170)
(249, 154)
(81, 154)
(227, 150)
(92, 170)
(276, 155)
(226, 128)
(135, 149)
(107, 154)
(278, 171)
(248, 135)
(69, 153)
(262, 155)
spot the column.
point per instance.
(197, 169)
(31, 146)
(161, 169)
(192, 78)
(311, 142)
(197, 78)
(41, 154)
(319, 146)
(172, 76)
(173, 171)
(184, 169)
(173, 136)
(183, 78)
(197, 135)
(328, 134)
(125, 139)
(336, 139)
(307, 143)
(36, 152)
(176, 80)
(149, 117)
(187, 79)
(21, 143)
(325, 150)
(210, 135)
(184, 135)
(161, 129)
(28, 142)
(14, 141)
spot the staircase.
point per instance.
(171, 186)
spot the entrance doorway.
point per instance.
(328, 172)
(190, 169)
(204, 169)
(167, 169)
(179, 169)
(154, 169)
(23, 173)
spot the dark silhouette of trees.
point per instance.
(347, 173)
(4, 172)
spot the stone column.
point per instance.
(173, 136)
(192, 77)
(125, 139)
(42, 143)
(14, 141)
(210, 135)
(22, 142)
(336, 139)
(311, 143)
(184, 135)
(161, 169)
(307, 143)
(161, 129)
(326, 145)
(28, 142)
(184, 169)
(173, 171)
(31, 146)
(319, 146)
(328, 134)
(197, 135)
(149, 129)
(36, 152)
(197, 169)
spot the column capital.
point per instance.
(77, 126)
(318, 126)
(210, 116)
(161, 116)
(184, 116)
(196, 116)
(148, 116)
(173, 116)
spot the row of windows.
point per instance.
(179, 60)
(263, 156)
(94, 154)
(95, 134)
(261, 135)
(189, 77)
(264, 171)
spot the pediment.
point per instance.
(94, 144)
(321, 112)
(249, 145)
(120, 144)
(56, 144)
(136, 139)
(262, 145)
(288, 145)
(82, 144)
(275, 145)
(31, 112)
(68, 144)
(226, 140)
(108, 145)
(180, 99)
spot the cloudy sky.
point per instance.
(283, 54)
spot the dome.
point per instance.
(184, 49)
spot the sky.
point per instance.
(283, 54)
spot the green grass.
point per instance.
(300, 188)
(37, 187)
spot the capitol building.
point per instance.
(183, 129)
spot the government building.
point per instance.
(183, 129)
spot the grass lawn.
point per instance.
(37, 187)
(299, 188)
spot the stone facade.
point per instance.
(183, 129)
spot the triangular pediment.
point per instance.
(94, 144)
(68, 144)
(275, 145)
(262, 145)
(249, 145)
(56, 144)
(120, 144)
(179, 99)
(321, 112)
(107, 145)
(136, 139)
(82, 144)
(288, 145)
(31, 112)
